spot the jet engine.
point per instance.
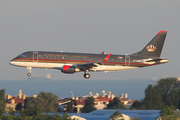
(69, 69)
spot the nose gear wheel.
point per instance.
(29, 69)
(86, 75)
(29, 74)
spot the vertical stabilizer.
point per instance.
(154, 47)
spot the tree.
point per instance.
(41, 117)
(69, 107)
(90, 101)
(89, 105)
(167, 114)
(139, 105)
(19, 106)
(46, 102)
(136, 118)
(2, 102)
(165, 93)
(173, 99)
(153, 98)
(116, 116)
(116, 104)
(169, 87)
(167, 84)
(8, 117)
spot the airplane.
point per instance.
(71, 63)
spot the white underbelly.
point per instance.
(60, 65)
(37, 64)
(112, 68)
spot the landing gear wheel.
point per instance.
(29, 69)
(87, 76)
(29, 74)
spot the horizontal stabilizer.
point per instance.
(154, 60)
(160, 60)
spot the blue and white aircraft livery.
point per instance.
(76, 62)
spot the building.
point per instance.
(80, 104)
(12, 101)
(100, 102)
(63, 103)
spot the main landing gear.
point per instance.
(29, 69)
(86, 74)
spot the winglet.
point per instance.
(106, 59)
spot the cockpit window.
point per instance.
(22, 55)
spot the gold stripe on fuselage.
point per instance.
(76, 62)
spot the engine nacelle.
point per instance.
(69, 69)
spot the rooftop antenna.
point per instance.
(72, 94)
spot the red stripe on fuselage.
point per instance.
(82, 62)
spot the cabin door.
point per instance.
(35, 56)
(127, 60)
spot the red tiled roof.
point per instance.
(16, 100)
(80, 101)
(124, 99)
(100, 98)
(64, 100)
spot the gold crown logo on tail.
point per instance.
(151, 48)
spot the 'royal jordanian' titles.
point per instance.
(77, 62)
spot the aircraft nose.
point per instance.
(11, 62)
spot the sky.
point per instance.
(91, 26)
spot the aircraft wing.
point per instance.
(92, 64)
(85, 66)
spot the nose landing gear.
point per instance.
(29, 69)
(86, 75)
